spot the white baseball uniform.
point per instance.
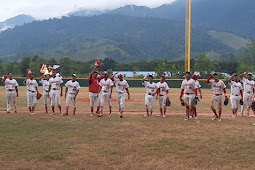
(45, 85)
(197, 84)
(55, 84)
(121, 92)
(217, 90)
(10, 86)
(73, 88)
(189, 87)
(31, 92)
(248, 86)
(235, 92)
(163, 87)
(106, 91)
(150, 92)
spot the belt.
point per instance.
(31, 91)
(10, 90)
(150, 94)
(248, 92)
(189, 93)
(217, 94)
(46, 91)
(55, 89)
(234, 95)
(161, 95)
(105, 91)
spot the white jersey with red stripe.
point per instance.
(217, 87)
(235, 88)
(150, 87)
(11, 84)
(197, 84)
(188, 86)
(163, 88)
(106, 85)
(55, 83)
(73, 87)
(248, 85)
(121, 85)
(31, 85)
(45, 84)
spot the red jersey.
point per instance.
(93, 84)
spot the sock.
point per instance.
(74, 112)
(110, 108)
(46, 109)
(67, 111)
(59, 108)
(53, 109)
(147, 111)
(91, 110)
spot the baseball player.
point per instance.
(94, 79)
(236, 91)
(55, 91)
(121, 89)
(45, 84)
(151, 88)
(198, 86)
(162, 92)
(218, 87)
(32, 91)
(106, 86)
(11, 87)
(189, 90)
(248, 85)
(72, 90)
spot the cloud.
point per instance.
(44, 9)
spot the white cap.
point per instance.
(74, 75)
(46, 72)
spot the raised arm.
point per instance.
(143, 80)
(209, 78)
(241, 75)
(112, 77)
(230, 79)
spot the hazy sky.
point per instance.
(43, 9)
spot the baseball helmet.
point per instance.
(97, 64)
(29, 71)
(105, 73)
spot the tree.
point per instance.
(161, 68)
(204, 65)
(24, 65)
(67, 66)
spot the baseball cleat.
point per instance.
(233, 115)
(164, 115)
(186, 118)
(146, 115)
(66, 114)
(196, 118)
(15, 111)
(110, 115)
(214, 118)
(31, 113)
(121, 116)
(52, 113)
(92, 115)
(8, 112)
(219, 119)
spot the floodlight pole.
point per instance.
(187, 35)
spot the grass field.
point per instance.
(42, 141)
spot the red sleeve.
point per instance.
(224, 91)
(111, 87)
(196, 92)
(90, 77)
(241, 92)
(181, 93)
(167, 91)
(208, 80)
(112, 78)
(157, 91)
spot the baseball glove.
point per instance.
(182, 103)
(195, 100)
(253, 105)
(241, 101)
(168, 102)
(226, 101)
(39, 95)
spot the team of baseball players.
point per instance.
(101, 87)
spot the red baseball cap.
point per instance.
(105, 73)
(194, 76)
(120, 75)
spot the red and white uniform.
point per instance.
(150, 93)
(121, 87)
(217, 90)
(55, 84)
(106, 86)
(248, 86)
(163, 89)
(45, 85)
(31, 92)
(10, 86)
(197, 84)
(73, 88)
(236, 87)
(94, 90)
(189, 87)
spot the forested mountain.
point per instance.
(18, 20)
(122, 38)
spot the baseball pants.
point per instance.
(149, 100)
(235, 100)
(247, 99)
(11, 98)
(105, 95)
(121, 97)
(69, 98)
(55, 96)
(31, 99)
(216, 100)
(94, 97)
(162, 101)
(45, 97)
(189, 99)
